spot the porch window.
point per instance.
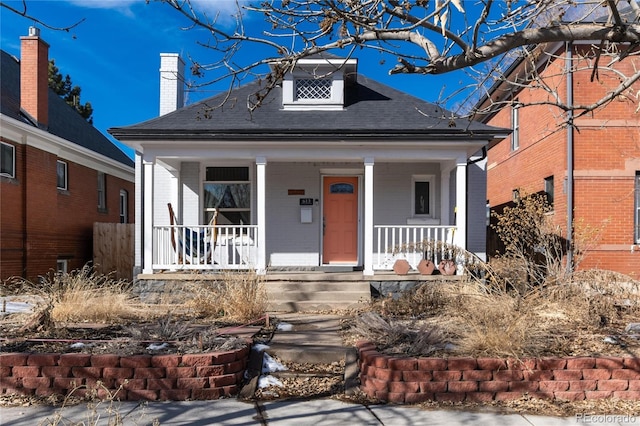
(7, 160)
(62, 178)
(422, 196)
(227, 189)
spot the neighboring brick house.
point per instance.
(604, 175)
(58, 174)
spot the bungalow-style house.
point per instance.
(589, 169)
(58, 174)
(334, 171)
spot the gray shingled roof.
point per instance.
(64, 122)
(372, 109)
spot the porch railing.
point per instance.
(236, 247)
(392, 242)
(205, 247)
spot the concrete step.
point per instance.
(361, 286)
(310, 306)
(294, 296)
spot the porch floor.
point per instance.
(380, 276)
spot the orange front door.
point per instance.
(340, 220)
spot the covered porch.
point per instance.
(284, 222)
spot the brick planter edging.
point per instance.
(408, 380)
(136, 377)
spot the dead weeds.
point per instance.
(585, 316)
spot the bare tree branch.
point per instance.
(24, 13)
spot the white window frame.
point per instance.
(515, 124)
(431, 180)
(102, 191)
(208, 211)
(124, 206)
(12, 172)
(62, 266)
(65, 175)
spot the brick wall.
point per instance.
(138, 377)
(408, 380)
(606, 158)
(40, 223)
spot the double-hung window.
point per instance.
(548, 189)
(227, 190)
(102, 192)
(515, 125)
(62, 179)
(7, 160)
(124, 206)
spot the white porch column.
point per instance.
(147, 229)
(445, 196)
(368, 216)
(261, 214)
(138, 241)
(461, 204)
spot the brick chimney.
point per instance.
(34, 77)
(171, 82)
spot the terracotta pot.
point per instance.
(426, 267)
(401, 267)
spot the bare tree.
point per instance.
(425, 36)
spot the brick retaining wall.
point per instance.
(142, 377)
(407, 380)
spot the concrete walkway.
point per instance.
(277, 413)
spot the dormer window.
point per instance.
(318, 84)
(313, 88)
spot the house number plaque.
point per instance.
(306, 201)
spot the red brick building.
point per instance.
(590, 170)
(58, 174)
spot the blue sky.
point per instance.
(114, 55)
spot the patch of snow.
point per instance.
(611, 340)
(78, 345)
(266, 381)
(10, 307)
(270, 365)
(157, 347)
(283, 326)
(260, 347)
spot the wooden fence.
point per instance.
(113, 249)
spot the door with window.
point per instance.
(340, 220)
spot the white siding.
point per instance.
(164, 192)
(476, 208)
(392, 193)
(190, 188)
(289, 242)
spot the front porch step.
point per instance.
(298, 296)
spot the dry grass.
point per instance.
(474, 319)
(238, 296)
(84, 295)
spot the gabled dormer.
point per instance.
(318, 83)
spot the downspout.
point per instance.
(570, 128)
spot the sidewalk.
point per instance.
(277, 413)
